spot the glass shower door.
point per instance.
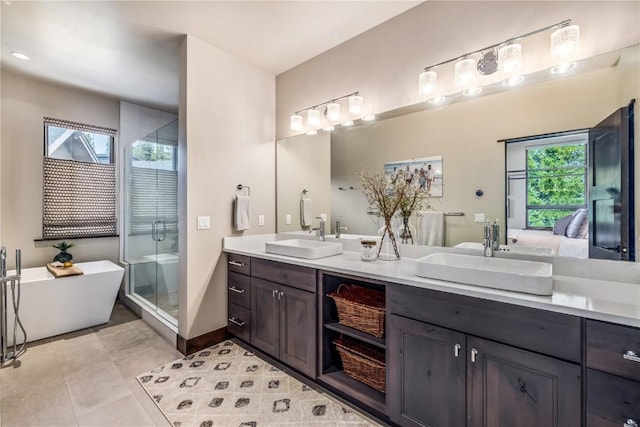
(151, 246)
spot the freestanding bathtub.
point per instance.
(50, 306)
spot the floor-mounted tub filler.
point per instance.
(52, 306)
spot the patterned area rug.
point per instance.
(226, 385)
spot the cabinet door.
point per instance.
(298, 329)
(264, 316)
(508, 387)
(426, 381)
(612, 401)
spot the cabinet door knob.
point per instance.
(630, 423)
(632, 356)
(236, 322)
(236, 290)
(456, 350)
(474, 354)
(236, 263)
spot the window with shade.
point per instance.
(79, 180)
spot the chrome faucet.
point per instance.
(339, 228)
(321, 228)
(491, 238)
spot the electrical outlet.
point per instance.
(288, 219)
(261, 220)
(479, 217)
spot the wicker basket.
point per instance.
(362, 363)
(360, 308)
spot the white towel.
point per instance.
(242, 214)
(431, 228)
(306, 212)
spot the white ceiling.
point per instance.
(129, 49)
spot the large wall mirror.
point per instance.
(469, 136)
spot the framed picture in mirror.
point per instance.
(423, 171)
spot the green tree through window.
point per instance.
(556, 182)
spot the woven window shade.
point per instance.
(48, 121)
(79, 199)
(154, 196)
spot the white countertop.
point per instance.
(611, 301)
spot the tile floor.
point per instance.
(86, 378)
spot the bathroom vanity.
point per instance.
(455, 354)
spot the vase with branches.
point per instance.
(388, 195)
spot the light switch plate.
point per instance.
(288, 219)
(204, 223)
(261, 220)
(479, 217)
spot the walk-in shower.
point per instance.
(151, 221)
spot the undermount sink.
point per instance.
(302, 248)
(525, 250)
(531, 277)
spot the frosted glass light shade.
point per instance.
(427, 82)
(465, 72)
(313, 118)
(565, 41)
(333, 112)
(510, 57)
(355, 105)
(296, 122)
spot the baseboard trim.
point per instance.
(191, 345)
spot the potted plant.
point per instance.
(63, 256)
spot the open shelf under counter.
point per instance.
(338, 380)
(354, 333)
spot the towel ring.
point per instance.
(241, 187)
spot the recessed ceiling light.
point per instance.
(369, 118)
(472, 91)
(437, 100)
(328, 128)
(21, 55)
(312, 132)
(563, 68)
(347, 123)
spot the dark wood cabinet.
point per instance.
(613, 374)
(284, 324)
(507, 386)
(426, 374)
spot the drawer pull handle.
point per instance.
(456, 350)
(236, 290)
(236, 263)
(631, 355)
(630, 423)
(236, 322)
(474, 354)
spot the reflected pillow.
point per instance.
(575, 223)
(561, 224)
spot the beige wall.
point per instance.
(307, 159)
(384, 62)
(227, 138)
(25, 101)
(466, 136)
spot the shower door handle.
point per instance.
(158, 237)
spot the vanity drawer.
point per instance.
(542, 331)
(611, 401)
(287, 274)
(239, 322)
(240, 290)
(239, 263)
(611, 348)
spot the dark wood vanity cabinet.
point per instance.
(283, 315)
(426, 381)
(239, 296)
(613, 375)
(440, 374)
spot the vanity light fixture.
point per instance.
(332, 111)
(20, 55)
(313, 118)
(508, 59)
